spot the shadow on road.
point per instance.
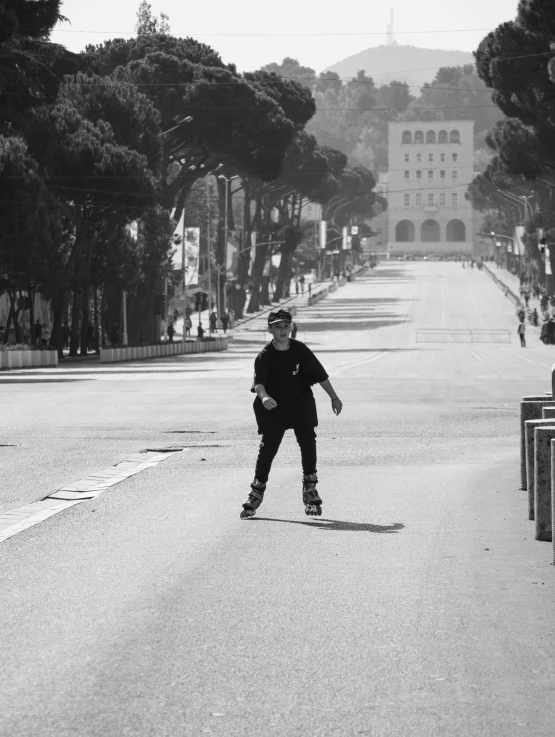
(336, 525)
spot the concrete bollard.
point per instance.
(553, 496)
(542, 481)
(530, 458)
(530, 409)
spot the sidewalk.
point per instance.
(512, 282)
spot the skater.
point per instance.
(284, 372)
(521, 330)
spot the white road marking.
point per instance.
(17, 520)
(359, 363)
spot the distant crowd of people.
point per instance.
(526, 314)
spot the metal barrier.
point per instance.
(461, 335)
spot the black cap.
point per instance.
(278, 316)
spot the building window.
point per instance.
(429, 231)
(442, 174)
(418, 158)
(430, 137)
(455, 157)
(430, 199)
(407, 174)
(442, 137)
(407, 157)
(430, 173)
(455, 175)
(419, 199)
(407, 200)
(430, 157)
(419, 137)
(454, 199)
(407, 138)
(404, 231)
(418, 174)
(442, 157)
(455, 231)
(442, 199)
(455, 137)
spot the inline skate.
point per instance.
(311, 499)
(254, 499)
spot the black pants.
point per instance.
(269, 446)
(522, 340)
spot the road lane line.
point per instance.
(359, 363)
(16, 520)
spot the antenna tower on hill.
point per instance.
(390, 38)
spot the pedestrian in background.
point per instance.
(38, 332)
(171, 332)
(301, 280)
(213, 320)
(225, 322)
(188, 325)
(200, 331)
(293, 330)
(521, 330)
(45, 336)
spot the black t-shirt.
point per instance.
(287, 377)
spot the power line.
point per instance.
(279, 35)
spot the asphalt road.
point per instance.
(419, 604)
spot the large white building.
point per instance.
(430, 166)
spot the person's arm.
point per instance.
(267, 401)
(336, 403)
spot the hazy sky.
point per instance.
(251, 33)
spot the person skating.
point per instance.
(284, 372)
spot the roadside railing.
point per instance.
(462, 335)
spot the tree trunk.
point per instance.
(8, 324)
(32, 316)
(74, 335)
(56, 337)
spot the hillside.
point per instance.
(409, 64)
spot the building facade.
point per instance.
(431, 165)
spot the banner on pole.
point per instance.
(233, 247)
(253, 252)
(323, 233)
(344, 238)
(192, 250)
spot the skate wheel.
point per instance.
(247, 513)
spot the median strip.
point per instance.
(17, 520)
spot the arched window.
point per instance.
(429, 233)
(404, 231)
(442, 137)
(455, 232)
(455, 137)
(430, 137)
(418, 137)
(407, 137)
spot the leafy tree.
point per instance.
(148, 25)
(292, 69)
(30, 66)
(91, 172)
(29, 228)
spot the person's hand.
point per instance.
(336, 405)
(269, 403)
